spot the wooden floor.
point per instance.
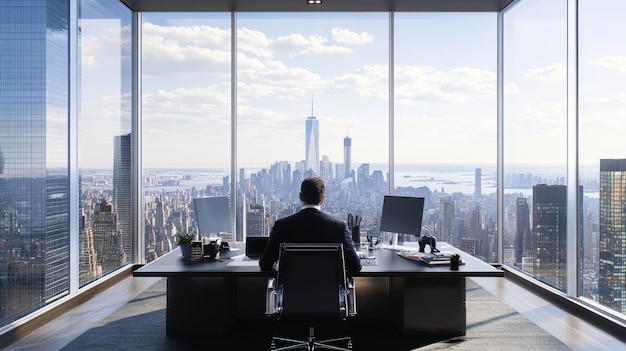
(578, 334)
(573, 331)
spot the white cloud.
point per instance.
(426, 84)
(192, 49)
(254, 42)
(298, 44)
(368, 81)
(343, 35)
(617, 63)
(275, 73)
(554, 72)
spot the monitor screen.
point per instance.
(255, 246)
(402, 215)
(213, 214)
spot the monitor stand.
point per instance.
(394, 245)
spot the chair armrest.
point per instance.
(351, 297)
(270, 298)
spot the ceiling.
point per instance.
(326, 6)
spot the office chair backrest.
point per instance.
(313, 280)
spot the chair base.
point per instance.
(311, 343)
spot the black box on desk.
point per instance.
(196, 251)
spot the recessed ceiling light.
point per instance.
(313, 2)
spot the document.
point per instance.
(431, 259)
(242, 261)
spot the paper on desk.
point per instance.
(242, 261)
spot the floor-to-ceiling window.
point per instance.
(312, 100)
(445, 124)
(602, 152)
(535, 139)
(186, 111)
(104, 138)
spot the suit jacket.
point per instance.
(310, 225)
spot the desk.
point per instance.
(207, 297)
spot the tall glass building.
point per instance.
(611, 288)
(34, 140)
(312, 146)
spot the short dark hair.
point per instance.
(312, 190)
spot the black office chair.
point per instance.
(311, 287)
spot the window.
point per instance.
(312, 100)
(445, 124)
(535, 140)
(186, 121)
(104, 139)
(602, 162)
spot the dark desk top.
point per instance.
(388, 264)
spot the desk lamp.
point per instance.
(213, 215)
(401, 215)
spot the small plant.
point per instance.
(185, 238)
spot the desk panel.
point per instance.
(417, 298)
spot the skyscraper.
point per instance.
(255, 221)
(523, 238)
(477, 182)
(34, 125)
(611, 288)
(122, 189)
(347, 156)
(312, 147)
(446, 220)
(107, 237)
(550, 234)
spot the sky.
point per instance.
(335, 67)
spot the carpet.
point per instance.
(140, 325)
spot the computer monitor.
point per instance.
(402, 215)
(213, 215)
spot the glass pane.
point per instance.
(34, 173)
(185, 120)
(602, 163)
(535, 139)
(104, 139)
(446, 125)
(312, 100)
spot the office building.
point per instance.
(468, 244)
(122, 189)
(363, 178)
(312, 145)
(478, 182)
(347, 156)
(78, 73)
(611, 288)
(549, 234)
(89, 267)
(34, 139)
(256, 221)
(446, 230)
(326, 168)
(107, 237)
(523, 235)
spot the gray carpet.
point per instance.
(491, 325)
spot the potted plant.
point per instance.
(184, 240)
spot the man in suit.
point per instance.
(310, 225)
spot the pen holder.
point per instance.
(356, 235)
(454, 262)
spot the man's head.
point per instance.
(312, 191)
